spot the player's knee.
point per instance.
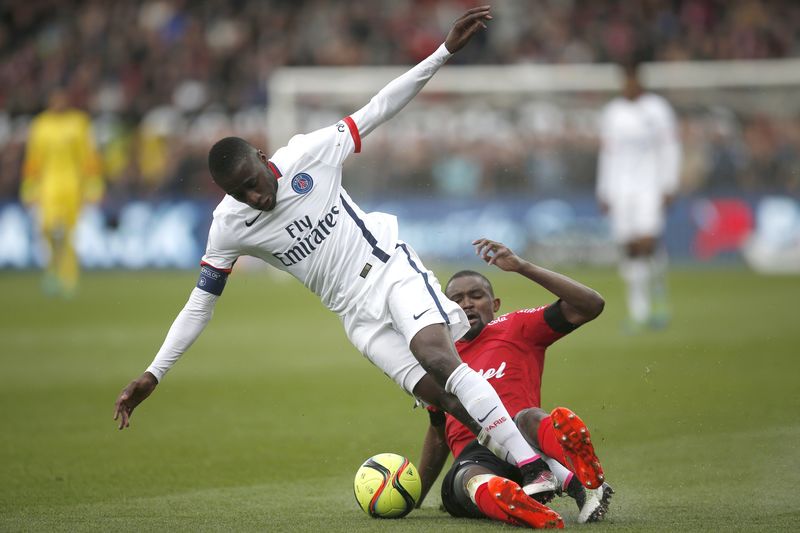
(435, 351)
(434, 394)
(528, 421)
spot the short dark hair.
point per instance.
(469, 273)
(227, 154)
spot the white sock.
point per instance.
(493, 446)
(560, 471)
(482, 403)
(636, 273)
(563, 475)
(475, 482)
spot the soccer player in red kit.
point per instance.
(509, 352)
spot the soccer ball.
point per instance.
(387, 485)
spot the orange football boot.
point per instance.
(574, 438)
(522, 508)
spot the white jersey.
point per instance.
(640, 152)
(316, 232)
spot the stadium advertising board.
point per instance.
(763, 231)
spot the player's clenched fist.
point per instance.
(131, 396)
(465, 27)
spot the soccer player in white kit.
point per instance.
(291, 211)
(637, 178)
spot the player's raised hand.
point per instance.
(498, 254)
(131, 396)
(465, 27)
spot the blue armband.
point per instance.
(212, 280)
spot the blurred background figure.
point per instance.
(61, 171)
(637, 178)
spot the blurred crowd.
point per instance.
(162, 79)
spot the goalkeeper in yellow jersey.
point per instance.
(60, 173)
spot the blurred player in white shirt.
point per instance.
(638, 176)
(291, 211)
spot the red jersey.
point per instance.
(509, 353)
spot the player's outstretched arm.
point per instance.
(579, 303)
(186, 328)
(401, 90)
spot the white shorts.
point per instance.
(404, 299)
(635, 216)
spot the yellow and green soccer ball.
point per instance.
(387, 485)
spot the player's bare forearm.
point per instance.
(434, 455)
(465, 27)
(131, 396)
(579, 303)
(400, 91)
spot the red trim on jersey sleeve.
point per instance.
(353, 132)
(225, 270)
(274, 169)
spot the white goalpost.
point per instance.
(292, 88)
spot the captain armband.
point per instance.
(212, 280)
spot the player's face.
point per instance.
(253, 184)
(474, 296)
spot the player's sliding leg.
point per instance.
(563, 436)
(575, 440)
(546, 484)
(592, 504)
(565, 441)
(477, 486)
(536, 425)
(508, 497)
(435, 351)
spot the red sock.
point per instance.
(489, 507)
(549, 443)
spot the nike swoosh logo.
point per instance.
(416, 317)
(251, 222)
(480, 420)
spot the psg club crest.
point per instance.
(302, 183)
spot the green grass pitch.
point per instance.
(262, 425)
